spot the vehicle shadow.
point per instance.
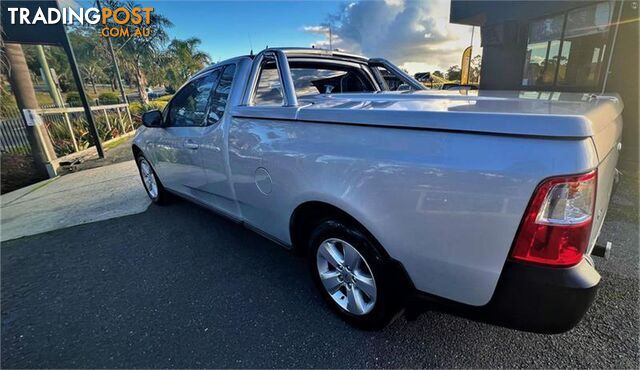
(179, 286)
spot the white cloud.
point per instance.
(316, 29)
(414, 34)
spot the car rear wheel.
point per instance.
(152, 185)
(350, 274)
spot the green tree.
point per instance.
(92, 73)
(184, 59)
(476, 66)
(91, 55)
(57, 59)
(139, 54)
(453, 73)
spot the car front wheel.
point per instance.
(152, 185)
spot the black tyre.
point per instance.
(152, 184)
(351, 275)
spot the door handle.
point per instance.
(191, 145)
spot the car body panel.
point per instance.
(440, 179)
(448, 220)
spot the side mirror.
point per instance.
(152, 118)
(404, 87)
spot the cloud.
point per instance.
(414, 34)
(317, 29)
(69, 4)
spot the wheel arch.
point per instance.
(308, 215)
(136, 151)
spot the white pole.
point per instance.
(473, 31)
(613, 45)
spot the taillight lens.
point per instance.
(557, 225)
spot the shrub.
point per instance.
(137, 109)
(108, 98)
(7, 102)
(165, 98)
(61, 139)
(73, 99)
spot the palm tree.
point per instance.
(92, 72)
(184, 60)
(139, 53)
(91, 53)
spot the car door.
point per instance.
(217, 190)
(178, 161)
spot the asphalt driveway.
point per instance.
(178, 286)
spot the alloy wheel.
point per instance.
(346, 276)
(149, 179)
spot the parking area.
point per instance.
(179, 286)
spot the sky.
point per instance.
(413, 34)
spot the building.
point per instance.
(576, 46)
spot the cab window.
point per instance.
(189, 107)
(269, 89)
(220, 95)
(310, 78)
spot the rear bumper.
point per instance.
(531, 298)
(543, 299)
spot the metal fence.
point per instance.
(13, 132)
(66, 127)
(69, 131)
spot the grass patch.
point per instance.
(116, 142)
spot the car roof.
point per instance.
(320, 52)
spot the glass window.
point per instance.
(537, 69)
(542, 51)
(588, 20)
(189, 106)
(568, 49)
(392, 81)
(585, 43)
(309, 79)
(220, 96)
(546, 29)
(269, 89)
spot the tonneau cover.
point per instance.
(551, 114)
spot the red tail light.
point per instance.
(557, 224)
